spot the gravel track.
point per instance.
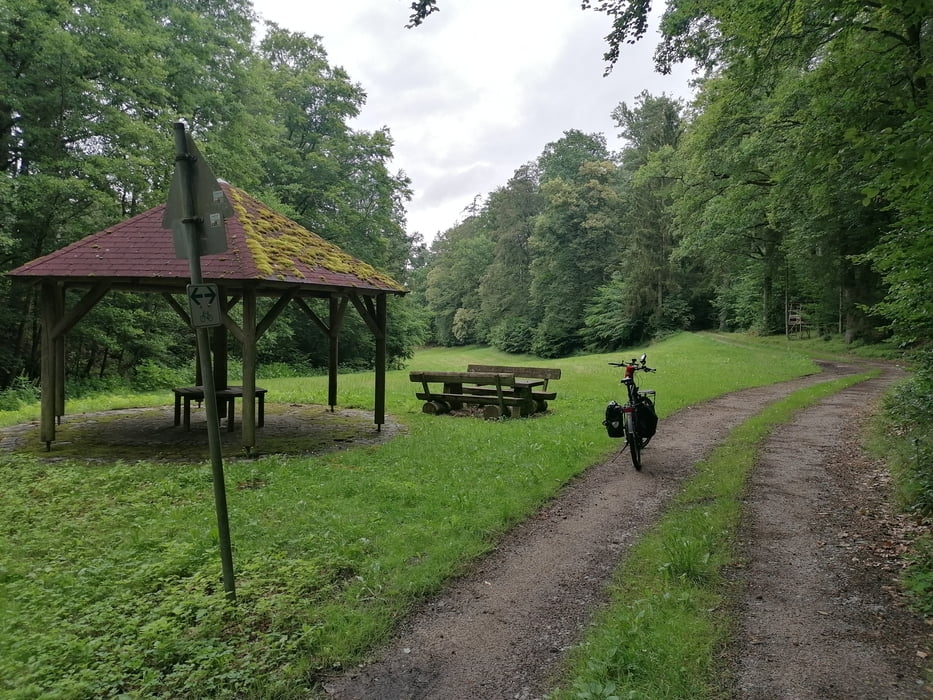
(501, 631)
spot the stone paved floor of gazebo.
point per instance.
(150, 434)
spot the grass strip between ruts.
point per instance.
(661, 634)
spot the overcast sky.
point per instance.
(479, 89)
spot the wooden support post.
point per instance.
(249, 369)
(374, 314)
(337, 308)
(56, 322)
(59, 349)
(333, 352)
(381, 320)
(219, 343)
(47, 400)
(219, 352)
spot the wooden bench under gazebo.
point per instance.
(268, 255)
(226, 397)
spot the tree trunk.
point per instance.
(103, 363)
(91, 360)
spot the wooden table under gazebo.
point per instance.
(268, 255)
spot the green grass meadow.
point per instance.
(110, 580)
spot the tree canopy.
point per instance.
(88, 96)
(797, 176)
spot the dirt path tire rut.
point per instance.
(501, 631)
(818, 621)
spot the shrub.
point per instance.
(674, 315)
(549, 343)
(513, 336)
(909, 408)
(279, 370)
(150, 376)
(21, 392)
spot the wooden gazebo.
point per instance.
(268, 255)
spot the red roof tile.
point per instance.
(262, 245)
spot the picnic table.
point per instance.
(187, 394)
(500, 390)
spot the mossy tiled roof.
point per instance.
(263, 246)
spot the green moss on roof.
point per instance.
(277, 243)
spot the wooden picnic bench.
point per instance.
(514, 391)
(500, 400)
(527, 375)
(187, 394)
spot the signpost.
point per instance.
(204, 305)
(195, 212)
(208, 202)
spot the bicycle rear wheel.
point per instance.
(634, 448)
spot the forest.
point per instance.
(797, 178)
(88, 96)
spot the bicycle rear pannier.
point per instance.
(646, 419)
(615, 420)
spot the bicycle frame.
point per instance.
(636, 437)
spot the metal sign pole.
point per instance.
(183, 173)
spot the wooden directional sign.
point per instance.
(204, 303)
(210, 208)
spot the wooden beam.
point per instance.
(87, 302)
(336, 321)
(231, 326)
(228, 322)
(179, 309)
(366, 309)
(273, 313)
(309, 312)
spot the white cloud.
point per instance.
(479, 89)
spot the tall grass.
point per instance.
(110, 579)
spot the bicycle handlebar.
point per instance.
(638, 367)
